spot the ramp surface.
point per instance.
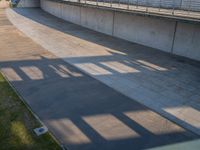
(169, 85)
(82, 112)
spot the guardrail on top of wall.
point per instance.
(184, 9)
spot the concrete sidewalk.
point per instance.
(80, 111)
(167, 84)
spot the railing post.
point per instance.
(146, 5)
(189, 6)
(128, 4)
(159, 5)
(173, 7)
(181, 4)
(137, 4)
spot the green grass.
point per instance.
(17, 124)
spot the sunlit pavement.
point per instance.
(89, 100)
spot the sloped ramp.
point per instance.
(82, 112)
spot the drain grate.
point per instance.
(41, 130)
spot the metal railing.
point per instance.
(176, 8)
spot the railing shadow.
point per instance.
(69, 101)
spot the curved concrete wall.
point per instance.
(187, 41)
(28, 3)
(166, 35)
(147, 31)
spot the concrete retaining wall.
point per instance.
(187, 40)
(28, 3)
(98, 20)
(166, 35)
(145, 30)
(53, 8)
(71, 13)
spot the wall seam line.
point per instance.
(113, 23)
(174, 36)
(80, 16)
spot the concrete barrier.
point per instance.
(156, 33)
(187, 40)
(71, 13)
(98, 20)
(28, 3)
(163, 34)
(53, 8)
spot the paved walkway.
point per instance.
(168, 85)
(82, 112)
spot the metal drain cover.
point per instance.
(41, 130)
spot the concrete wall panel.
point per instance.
(45, 5)
(29, 3)
(53, 8)
(156, 33)
(187, 41)
(71, 13)
(96, 19)
(42, 4)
